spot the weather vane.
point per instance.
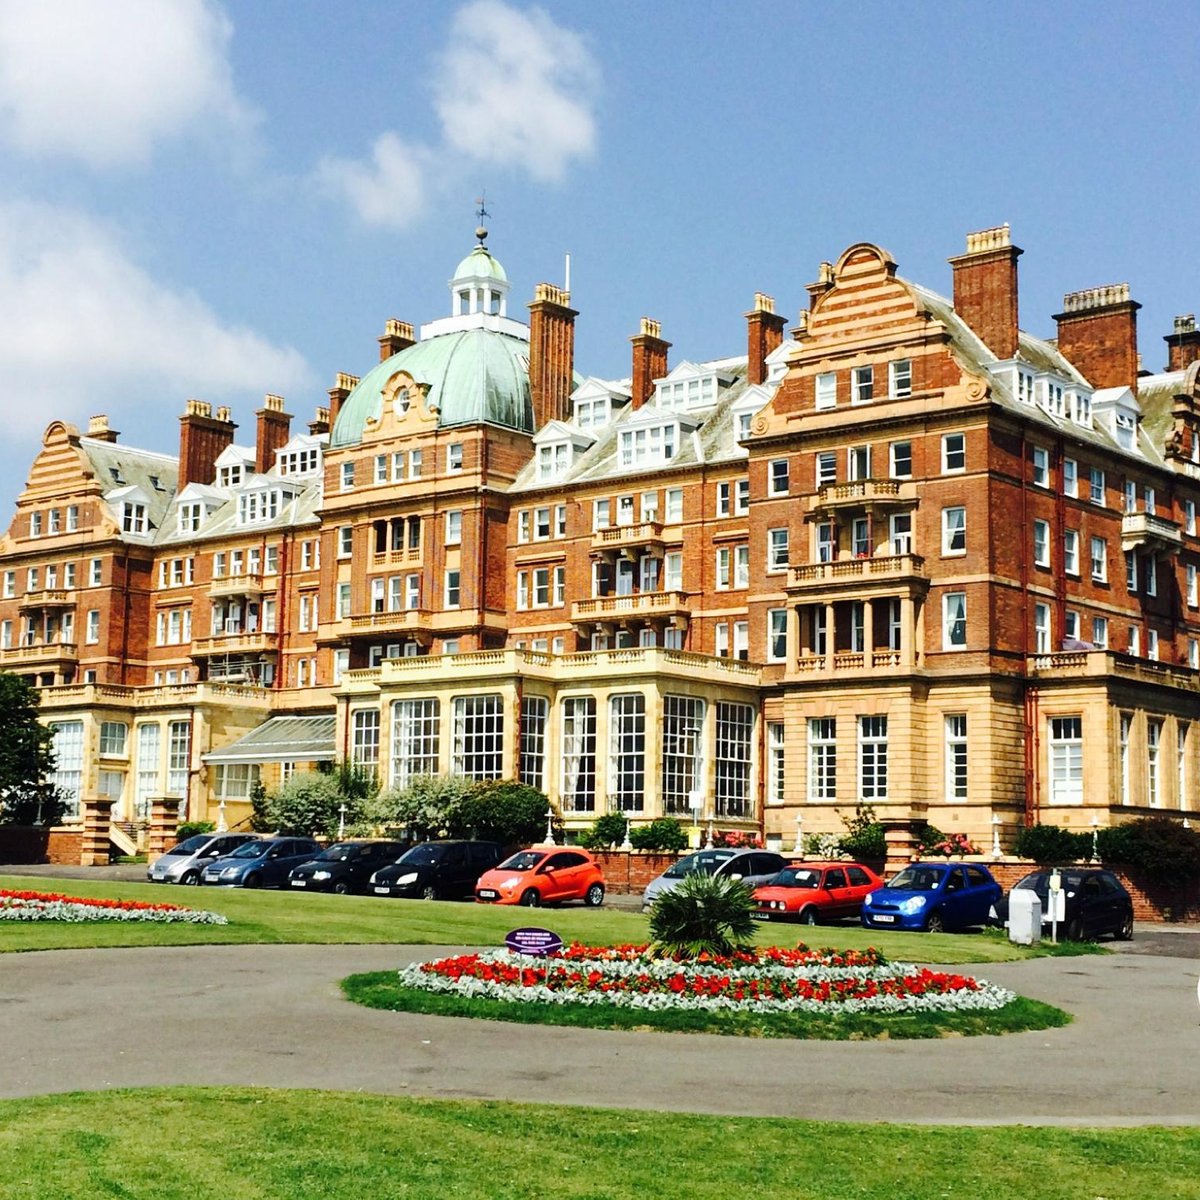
(481, 212)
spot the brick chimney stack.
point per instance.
(551, 354)
(274, 429)
(320, 423)
(99, 431)
(202, 437)
(1097, 332)
(985, 289)
(823, 284)
(343, 385)
(397, 336)
(764, 329)
(1183, 345)
(649, 361)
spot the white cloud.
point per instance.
(84, 324)
(513, 89)
(517, 90)
(388, 191)
(104, 80)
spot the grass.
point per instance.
(243, 1144)
(382, 989)
(283, 917)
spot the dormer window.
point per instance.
(258, 506)
(230, 476)
(115, 473)
(300, 462)
(1081, 407)
(553, 460)
(1025, 387)
(191, 517)
(687, 393)
(648, 445)
(133, 517)
(591, 414)
(1052, 397)
(1124, 426)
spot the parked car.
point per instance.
(1096, 902)
(543, 875)
(344, 866)
(752, 867)
(815, 892)
(184, 861)
(262, 863)
(934, 896)
(438, 870)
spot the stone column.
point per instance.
(97, 816)
(164, 821)
(830, 636)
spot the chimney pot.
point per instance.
(649, 361)
(397, 336)
(551, 354)
(985, 289)
(343, 385)
(99, 430)
(764, 333)
(1183, 343)
(1097, 332)
(202, 437)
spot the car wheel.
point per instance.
(429, 892)
(531, 898)
(191, 878)
(252, 881)
(1125, 933)
(1075, 930)
(341, 887)
(936, 923)
(809, 916)
(594, 896)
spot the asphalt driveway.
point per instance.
(273, 1016)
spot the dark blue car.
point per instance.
(933, 896)
(264, 863)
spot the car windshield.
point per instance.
(796, 877)
(704, 863)
(191, 845)
(341, 852)
(916, 879)
(523, 860)
(248, 850)
(424, 856)
(1039, 882)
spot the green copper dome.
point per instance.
(473, 375)
(480, 264)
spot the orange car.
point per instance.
(543, 875)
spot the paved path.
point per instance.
(272, 1016)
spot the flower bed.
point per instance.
(51, 906)
(770, 980)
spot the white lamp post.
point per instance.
(550, 840)
(798, 848)
(708, 840)
(627, 844)
(996, 851)
(222, 824)
(341, 821)
(1095, 837)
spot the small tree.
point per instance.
(27, 797)
(864, 837)
(666, 833)
(502, 811)
(309, 805)
(705, 914)
(1160, 847)
(423, 807)
(606, 831)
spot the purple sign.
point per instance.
(533, 941)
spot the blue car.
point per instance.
(933, 896)
(265, 863)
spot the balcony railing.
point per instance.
(640, 605)
(1069, 664)
(241, 585)
(1146, 531)
(38, 653)
(627, 537)
(405, 620)
(235, 643)
(857, 571)
(47, 598)
(860, 493)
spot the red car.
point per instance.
(543, 875)
(815, 892)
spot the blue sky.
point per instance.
(221, 200)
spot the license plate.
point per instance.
(883, 918)
(299, 883)
(486, 894)
(761, 916)
(382, 891)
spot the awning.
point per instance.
(281, 739)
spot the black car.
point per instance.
(344, 866)
(1096, 902)
(438, 870)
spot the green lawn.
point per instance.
(268, 916)
(242, 1144)
(382, 989)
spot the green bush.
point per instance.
(422, 808)
(864, 838)
(309, 805)
(666, 833)
(504, 811)
(188, 829)
(606, 831)
(1160, 847)
(1049, 844)
(705, 914)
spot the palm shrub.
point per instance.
(704, 915)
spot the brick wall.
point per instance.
(33, 844)
(627, 874)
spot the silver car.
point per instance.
(752, 867)
(184, 862)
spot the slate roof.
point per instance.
(282, 739)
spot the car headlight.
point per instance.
(868, 899)
(913, 904)
(509, 884)
(411, 877)
(229, 872)
(322, 874)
